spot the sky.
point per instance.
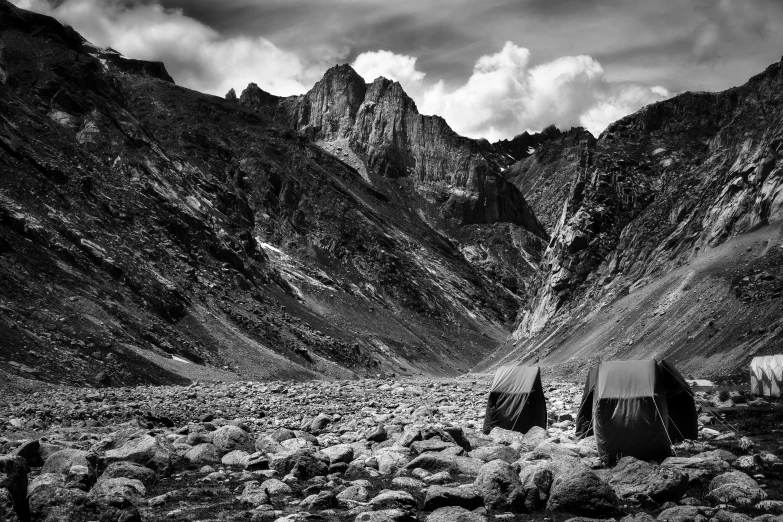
(491, 68)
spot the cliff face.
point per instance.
(667, 187)
(544, 176)
(381, 124)
(150, 233)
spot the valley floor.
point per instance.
(368, 450)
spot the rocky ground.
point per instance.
(364, 450)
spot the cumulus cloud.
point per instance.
(196, 55)
(505, 96)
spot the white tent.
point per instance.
(766, 375)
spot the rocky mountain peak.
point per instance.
(255, 97)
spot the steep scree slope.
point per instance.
(149, 233)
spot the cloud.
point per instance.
(196, 55)
(505, 96)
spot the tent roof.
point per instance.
(514, 379)
(626, 379)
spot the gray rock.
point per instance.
(354, 493)
(229, 438)
(440, 496)
(50, 503)
(205, 453)
(582, 492)
(455, 514)
(320, 422)
(129, 470)
(735, 487)
(276, 488)
(631, 478)
(63, 460)
(498, 484)
(253, 494)
(319, 502)
(339, 453)
(7, 510)
(125, 487)
(13, 478)
(683, 514)
(536, 483)
(235, 458)
(28, 450)
(393, 500)
(386, 515)
(408, 483)
(500, 452)
(435, 462)
(145, 450)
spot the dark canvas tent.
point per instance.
(636, 408)
(516, 400)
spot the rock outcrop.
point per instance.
(665, 201)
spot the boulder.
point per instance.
(581, 492)
(455, 514)
(235, 458)
(125, 487)
(62, 461)
(205, 453)
(355, 493)
(339, 453)
(29, 451)
(229, 438)
(320, 422)
(319, 502)
(500, 452)
(683, 514)
(435, 462)
(145, 450)
(51, 503)
(7, 509)
(536, 483)
(129, 470)
(302, 463)
(441, 496)
(632, 478)
(499, 486)
(253, 494)
(267, 444)
(393, 499)
(13, 479)
(386, 515)
(735, 487)
(392, 459)
(276, 488)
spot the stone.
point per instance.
(63, 460)
(455, 514)
(408, 483)
(582, 492)
(205, 453)
(386, 515)
(379, 434)
(434, 445)
(303, 464)
(145, 450)
(50, 503)
(435, 462)
(501, 452)
(500, 487)
(267, 444)
(28, 450)
(440, 496)
(229, 438)
(339, 453)
(8, 511)
(319, 502)
(13, 478)
(393, 500)
(735, 487)
(355, 493)
(536, 482)
(235, 458)
(320, 422)
(632, 478)
(683, 514)
(390, 460)
(125, 487)
(253, 494)
(276, 488)
(129, 470)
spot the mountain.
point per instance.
(150, 233)
(668, 238)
